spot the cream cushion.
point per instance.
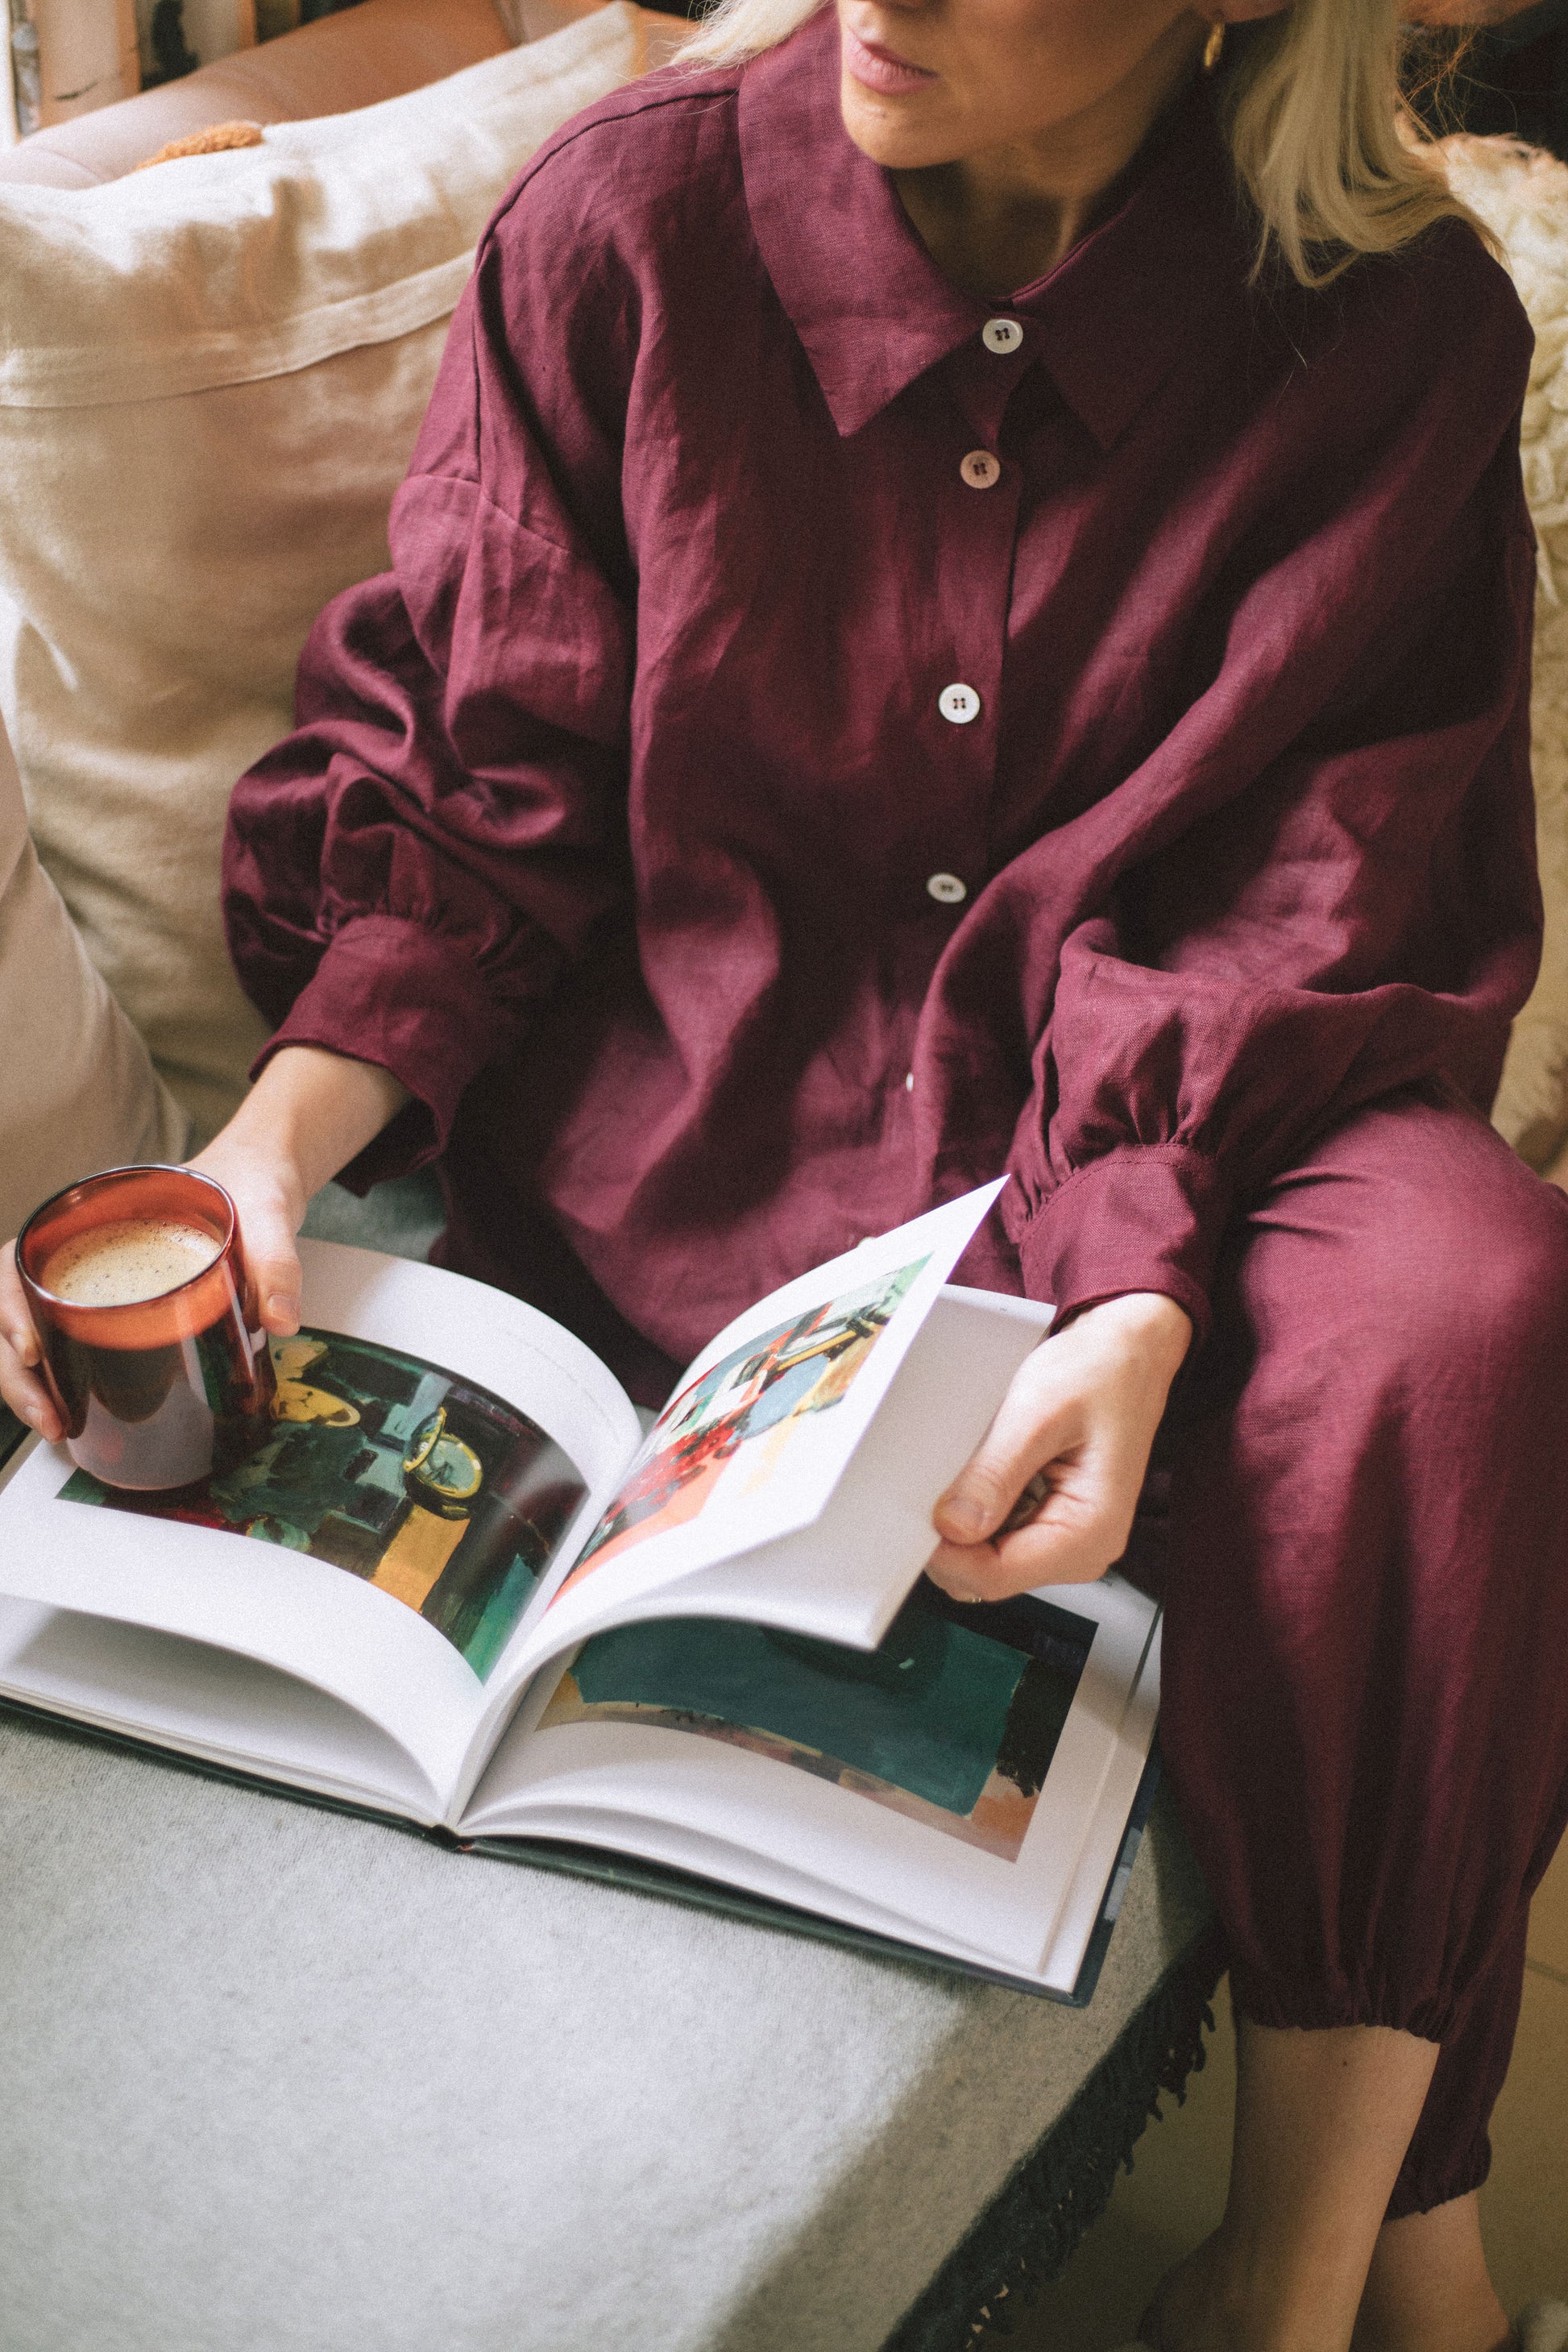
(76, 1090)
(211, 376)
(1522, 196)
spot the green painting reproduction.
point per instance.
(754, 1400)
(951, 1726)
(423, 1484)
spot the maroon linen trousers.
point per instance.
(1364, 1707)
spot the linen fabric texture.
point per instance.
(1363, 1480)
(211, 378)
(645, 724)
(76, 1090)
(612, 824)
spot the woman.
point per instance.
(962, 604)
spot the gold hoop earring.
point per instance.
(1215, 50)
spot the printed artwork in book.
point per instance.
(949, 1725)
(423, 1484)
(751, 1401)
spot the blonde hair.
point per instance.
(1319, 134)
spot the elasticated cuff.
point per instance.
(413, 1003)
(1308, 2005)
(1142, 1219)
(1423, 2192)
(1311, 2005)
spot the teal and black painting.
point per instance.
(936, 1710)
(430, 1488)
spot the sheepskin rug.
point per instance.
(1522, 197)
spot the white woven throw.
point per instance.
(1522, 197)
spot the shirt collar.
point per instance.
(874, 311)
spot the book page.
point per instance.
(206, 1704)
(752, 1445)
(844, 1578)
(954, 1778)
(435, 1445)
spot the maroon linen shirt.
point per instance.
(634, 820)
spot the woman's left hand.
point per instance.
(1080, 1415)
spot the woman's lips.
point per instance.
(879, 69)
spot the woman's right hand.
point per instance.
(308, 1115)
(267, 1188)
(20, 1354)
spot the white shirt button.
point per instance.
(980, 469)
(959, 703)
(910, 1083)
(948, 891)
(1001, 335)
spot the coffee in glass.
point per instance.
(138, 1291)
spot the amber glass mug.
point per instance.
(158, 1391)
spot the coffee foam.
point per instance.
(121, 1263)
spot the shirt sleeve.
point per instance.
(1353, 911)
(406, 876)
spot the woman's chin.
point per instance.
(902, 134)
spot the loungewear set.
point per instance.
(828, 740)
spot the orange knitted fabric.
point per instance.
(216, 141)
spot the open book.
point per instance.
(459, 1585)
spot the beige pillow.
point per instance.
(211, 376)
(76, 1090)
(1522, 196)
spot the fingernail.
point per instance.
(286, 1309)
(962, 1516)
